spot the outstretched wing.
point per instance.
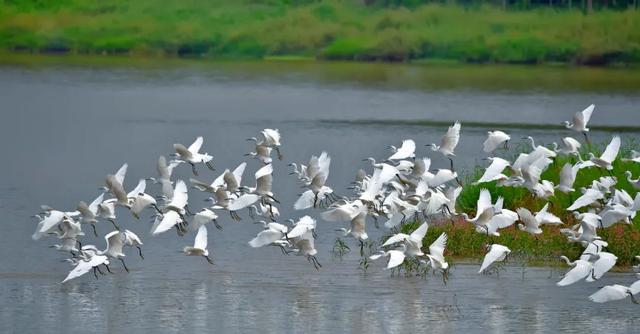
(201, 238)
(495, 253)
(399, 237)
(609, 293)
(612, 149)
(115, 242)
(93, 207)
(243, 202)
(80, 269)
(437, 247)
(265, 237)
(140, 188)
(169, 220)
(405, 151)
(484, 200)
(580, 271)
(180, 195)
(545, 217)
(237, 173)
(396, 258)
(420, 232)
(120, 174)
(197, 144)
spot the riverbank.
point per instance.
(330, 30)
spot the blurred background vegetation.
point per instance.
(502, 31)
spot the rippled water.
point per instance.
(64, 128)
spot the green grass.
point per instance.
(465, 243)
(331, 29)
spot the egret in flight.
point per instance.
(580, 121)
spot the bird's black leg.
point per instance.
(95, 273)
(100, 271)
(273, 198)
(209, 165)
(316, 262)
(193, 168)
(218, 226)
(633, 299)
(108, 269)
(314, 234)
(208, 259)
(451, 163)
(280, 156)
(140, 252)
(95, 233)
(157, 209)
(123, 264)
(361, 248)
(113, 222)
(586, 137)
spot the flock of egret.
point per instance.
(400, 188)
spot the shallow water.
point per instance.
(64, 128)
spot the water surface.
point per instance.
(65, 127)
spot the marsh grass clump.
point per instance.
(544, 249)
(340, 249)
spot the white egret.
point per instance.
(271, 235)
(484, 210)
(83, 266)
(608, 156)
(51, 221)
(580, 121)
(581, 269)
(90, 212)
(164, 170)
(589, 196)
(396, 257)
(270, 140)
(449, 142)
(501, 220)
(494, 171)
(496, 253)
(132, 240)
(192, 155)
(304, 244)
(494, 140)
(405, 151)
(436, 254)
(602, 263)
(615, 292)
(568, 175)
(354, 212)
(413, 241)
(199, 245)
(115, 244)
(203, 217)
(570, 146)
(539, 148)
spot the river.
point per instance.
(65, 126)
